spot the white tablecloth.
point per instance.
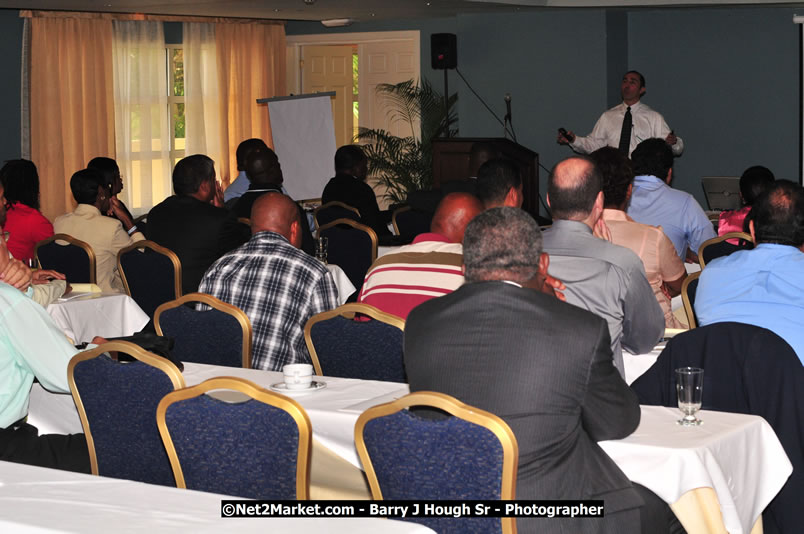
(342, 282)
(98, 314)
(38, 500)
(636, 364)
(738, 455)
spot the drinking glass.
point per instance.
(689, 386)
(321, 249)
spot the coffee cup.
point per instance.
(298, 375)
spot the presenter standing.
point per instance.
(625, 125)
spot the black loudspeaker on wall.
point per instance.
(444, 50)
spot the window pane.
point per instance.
(178, 71)
(178, 124)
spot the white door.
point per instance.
(329, 68)
(390, 61)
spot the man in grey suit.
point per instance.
(544, 366)
(601, 277)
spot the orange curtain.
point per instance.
(72, 102)
(251, 65)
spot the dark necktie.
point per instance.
(625, 133)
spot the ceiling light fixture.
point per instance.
(335, 23)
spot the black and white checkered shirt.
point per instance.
(279, 287)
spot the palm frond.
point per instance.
(404, 164)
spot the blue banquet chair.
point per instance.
(117, 402)
(151, 274)
(341, 342)
(257, 449)
(72, 257)
(469, 455)
(218, 335)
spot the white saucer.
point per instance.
(281, 387)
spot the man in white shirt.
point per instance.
(645, 123)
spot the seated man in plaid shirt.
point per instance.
(277, 285)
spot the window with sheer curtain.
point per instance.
(142, 137)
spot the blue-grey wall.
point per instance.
(726, 79)
(10, 66)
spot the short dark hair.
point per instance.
(617, 174)
(107, 167)
(579, 199)
(652, 157)
(348, 157)
(245, 148)
(502, 244)
(190, 172)
(641, 78)
(21, 182)
(495, 178)
(778, 214)
(84, 185)
(755, 181)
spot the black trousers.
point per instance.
(21, 443)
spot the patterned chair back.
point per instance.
(151, 274)
(410, 223)
(352, 246)
(74, 258)
(468, 455)
(720, 246)
(117, 406)
(342, 345)
(326, 213)
(257, 449)
(688, 289)
(218, 335)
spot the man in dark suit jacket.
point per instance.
(192, 223)
(349, 186)
(502, 344)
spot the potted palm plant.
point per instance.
(404, 164)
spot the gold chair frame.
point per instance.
(244, 220)
(330, 204)
(354, 224)
(393, 217)
(156, 248)
(219, 305)
(718, 239)
(456, 408)
(136, 352)
(348, 311)
(93, 274)
(685, 299)
(257, 393)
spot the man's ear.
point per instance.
(544, 263)
(752, 231)
(295, 236)
(512, 198)
(642, 91)
(547, 195)
(669, 176)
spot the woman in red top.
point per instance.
(24, 222)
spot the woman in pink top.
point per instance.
(663, 268)
(24, 222)
(754, 181)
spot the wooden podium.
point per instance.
(451, 162)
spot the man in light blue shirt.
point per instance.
(764, 286)
(654, 202)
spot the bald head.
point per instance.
(275, 212)
(573, 189)
(262, 167)
(453, 214)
